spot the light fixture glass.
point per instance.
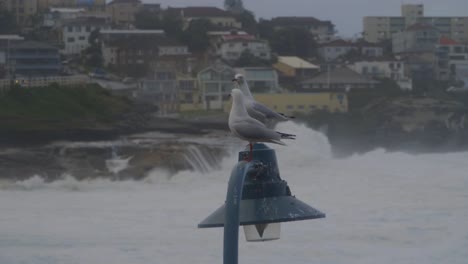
(262, 232)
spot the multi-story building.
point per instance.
(122, 12)
(76, 32)
(220, 18)
(31, 58)
(22, 10)
(450, 55)
(334, 49)
(383, 68)
(124, 48)
(215, 83)
(415, 39)
(232, 46)
(377, 28)
(324, 30)
(6, 43)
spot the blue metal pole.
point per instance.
(231, 218)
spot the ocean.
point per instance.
(382, 207)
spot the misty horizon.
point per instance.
(347, 24)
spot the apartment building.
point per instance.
(76, 32)
(122, 12)
(220, 18)
(378, 28)
(22, 10)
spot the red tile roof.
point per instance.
(447, 41)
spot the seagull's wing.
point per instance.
(265, 111)
(254, 131)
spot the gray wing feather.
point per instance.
(267, 112)
(254, 132)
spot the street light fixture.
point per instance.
(258, 199)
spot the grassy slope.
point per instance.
(54, 107)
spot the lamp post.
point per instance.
(258, 199)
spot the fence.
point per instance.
(44, 81)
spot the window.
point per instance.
(289, 107)
(70, 39)
(70, 29)
(88, 29)
(300, 106)
(82, 38)
(245, 44)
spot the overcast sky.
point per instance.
(345, 14)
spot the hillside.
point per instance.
(54, 107)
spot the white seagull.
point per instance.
(249, 129)
(255, 109)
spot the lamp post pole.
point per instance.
(231, 218)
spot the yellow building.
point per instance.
(293, 103)
(295, 67)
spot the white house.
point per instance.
(385, 68)
(332, 50)
(76, 32)
(232, 47)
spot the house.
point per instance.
(231, 47)
(338, 79)
(76, 33)
(159, 89)
(449, 55)
(420, 66)
(32, 58)
(6, 43)
(55, 16)
(324, 30)
(295, 68)
(416, 38)
(260, 79)
(22, 10)
(215, 84)
(378, 68)
(218, 17)
(138, 50)
(333, 50)
(122, 12)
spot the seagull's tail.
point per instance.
(286, 116)
(286, 136)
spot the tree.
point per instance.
(247, 59)
(248, 21)
(7, 22)
(196, 36)
(93, 54)
(147, 20)
(293, 41)
(172, 25)
(234, 6)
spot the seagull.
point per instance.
(249, 129)
(255, 109)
